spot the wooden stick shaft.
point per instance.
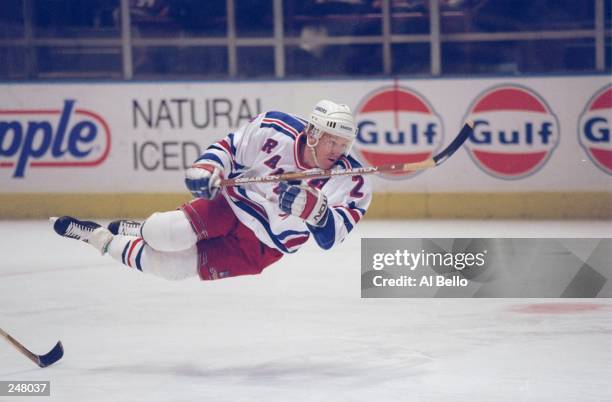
(465, 132)
(318, 173)
(20, 347)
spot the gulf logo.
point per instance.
(594, 129)
(515, 132)
(397, 125)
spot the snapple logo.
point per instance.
(52, 138)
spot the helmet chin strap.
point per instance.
(313, 149)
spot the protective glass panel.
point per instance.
(411, 58)
(12, 63)
(169, 62)
(184, 18)
(254, 19)
(326, 61)
(518, 57)
(515, 15)
(410, 17)
(11, 19)
(78, 62)
(332, 18)
(76, 18)
(256, 61)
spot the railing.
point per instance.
(378, 49)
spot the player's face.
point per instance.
(330, 148)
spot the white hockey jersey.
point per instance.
(269, 145)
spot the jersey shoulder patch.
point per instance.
(284, 123)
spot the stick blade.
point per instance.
(54, 355)
(466, 131)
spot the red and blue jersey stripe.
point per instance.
(283, 123)
(287, 241)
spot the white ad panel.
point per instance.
(532, 134)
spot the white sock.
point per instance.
(128, 250)
(133, 252)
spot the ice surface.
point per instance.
(298, 332)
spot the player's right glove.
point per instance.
(307, 203)
(203, 180)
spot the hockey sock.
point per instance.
(128, 250)
(135, 253)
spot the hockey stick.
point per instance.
(433, 161)
(40, 360)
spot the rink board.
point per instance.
(544, 205)
(541, 148)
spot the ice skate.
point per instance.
(87, 231)
(125, 228)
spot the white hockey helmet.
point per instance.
(332, 118)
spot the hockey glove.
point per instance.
(203, 180)
(307, 203)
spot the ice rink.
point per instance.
(298, 332)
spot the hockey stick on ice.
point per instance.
(40, 360)
(433, 161)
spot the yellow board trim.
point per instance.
(534, 205)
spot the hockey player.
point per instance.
(231, 231)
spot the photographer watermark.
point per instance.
(485, 267)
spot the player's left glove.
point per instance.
(203, 180)
(307, 203)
